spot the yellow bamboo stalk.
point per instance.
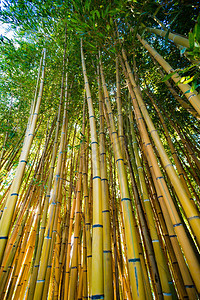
(74, 261)
(56, 266)
(126, 275)
(183, 103)
(135, 269)
(178, 226)
(114, 236)
(87, 226)
(66, 204)
(57, 225)
(107, 253)
(192, 97)
(85, 280)
(67, 264)
(119, 108)
(173, 150)
(177, 39)
(7, 215)
(52, 213)
(188, 206)
(47, 195)
(97, 239)
(32, 109)
(188, 282)
(80, 286)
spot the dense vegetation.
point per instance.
(99, 161)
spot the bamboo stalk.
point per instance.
(97, 237)
(177, 39)
(14, 190)
(192, 97)
(135, 269)
(107, 251)
(179, 229)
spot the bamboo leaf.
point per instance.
(197, 32)
(175, 17)
(167, 36)
(97, 13)
(188, 80)
(108, 26)
(191, 40)
(168, 76)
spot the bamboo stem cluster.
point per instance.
(113, 218)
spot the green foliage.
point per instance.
(194, 40)
(39, 24)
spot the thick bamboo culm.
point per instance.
(177, 39)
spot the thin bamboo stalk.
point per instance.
(53, 208)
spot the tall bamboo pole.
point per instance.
(97, 237)
(135, 269)
(47, 195)
(74, 260)
(107, 251)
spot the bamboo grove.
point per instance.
(99, 161)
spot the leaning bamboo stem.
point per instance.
(14, 191)
(182, 102)
(193, 98)
(178, 226)
(177, 39)
(53, 207)
(189, 208)
(173, 150)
